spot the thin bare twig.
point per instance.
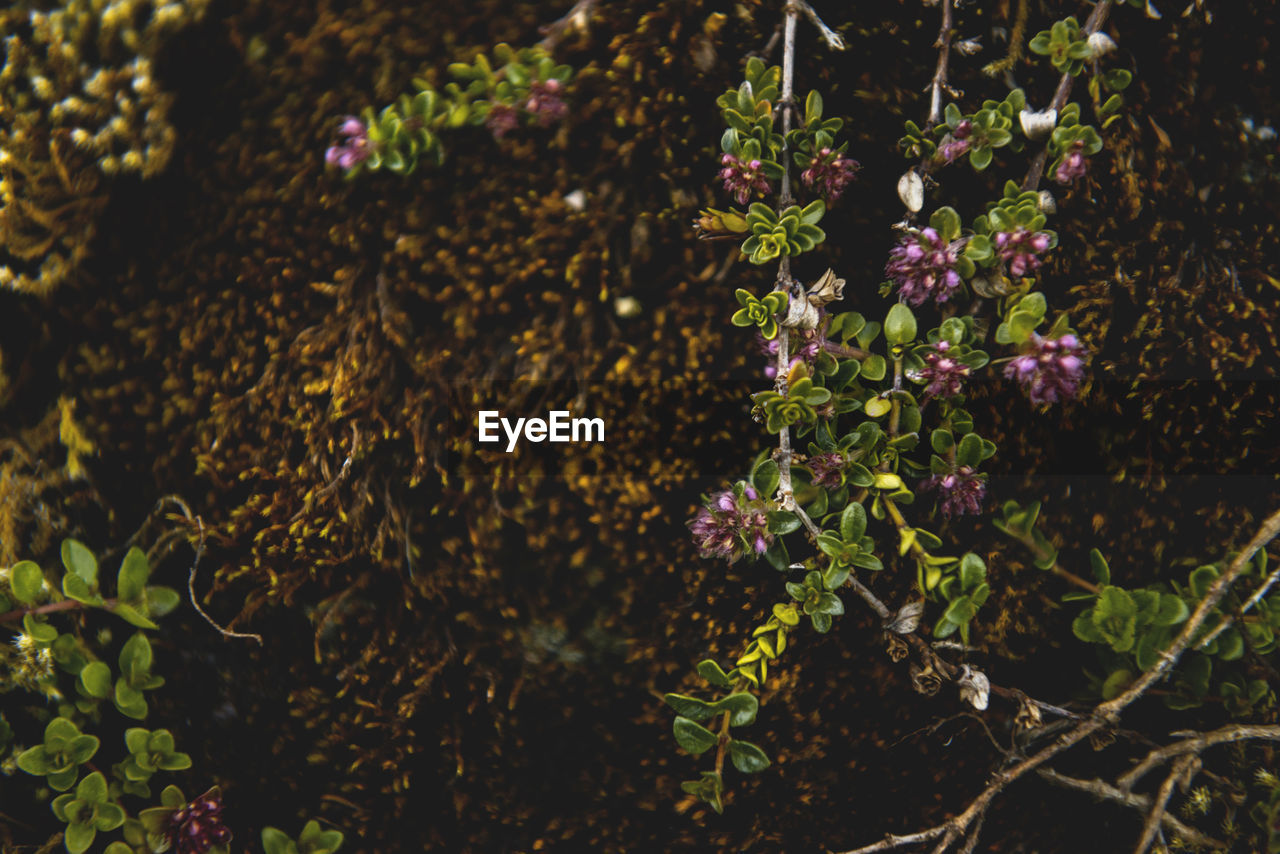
(1197, 743)
(944, 55)
(191, 591)
(1142, 803)
(1107, 713)
(1152, 825)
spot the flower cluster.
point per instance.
(742, 178)
(197, 827)
(957, 143)
(545, 103)
(1021, 249)
(961, 491)
(942, 373)
(732, 524)
(353, 148)
(828, 469)
(1050, 369)
(1072, 166)
(830, 172)
(924, 266)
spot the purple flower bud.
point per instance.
(830, 173)
(742, 179)
(354, 148)
(732, 527)
(1049, 369)
(961, 492)
(924, 267)
(1021, 249)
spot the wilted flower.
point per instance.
(1021, 249)
(828, 469)
(353, 148)
(1050, 369)
(924, 266)
(197, 827)
(501, 120)
(732, 524)
(742, 177)
(961, 491)
(942, 373)
(957, 142)
(1072, 166)
(545, 102)
(830, 172)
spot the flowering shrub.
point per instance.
(523, 86)
(848, 383)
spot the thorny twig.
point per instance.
(940, 73)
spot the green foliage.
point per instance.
(760, 312)
(408, 132)
(313, 840)
(775, 235)
(59, 758)
(1064, 44)
(796, 408)
(87, 812)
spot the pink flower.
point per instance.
(1050, 369)
(545, 102)
(942, 373)
(961, 492)
(1021, 249)
(197, 827)
(1073, 166)
(353, 148)
(830, 172)
(924, 267)
(957, 143)
(732, 524)
(742, 178)
(828, 469)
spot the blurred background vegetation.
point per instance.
(466, 649)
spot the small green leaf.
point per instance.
(1172, 610)
(765, 478)
(746, 757)
(693, 737)
(161, 600)
(1101, 572)
(900, 325)
(853, 522)
(712, 672)
(79, 837)
(77, 558)
(132, 580)
(946, 222)
(742, 708)
(35, 761)
(277, 842)
(75, 588)
(1201, 578)
(1116, 683)
(26, 579)
(689, 707)
(133, 616)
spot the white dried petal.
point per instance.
(626, 307)
(968, 47)
(911, 191)
(907, 620)
(1038, 125)
(975, 688)
(1046, 202)
(1100, 44)
(577, 200)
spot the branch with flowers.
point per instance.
(516, 87)
(861, 389)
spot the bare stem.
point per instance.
(944, 55)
